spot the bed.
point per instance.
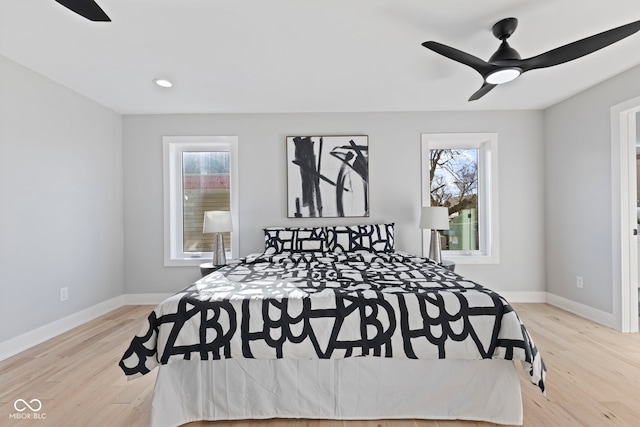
(334, 323)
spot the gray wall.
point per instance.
(394, 144)
(61, 220)
(578, 211)
(65, 219)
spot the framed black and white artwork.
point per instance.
(327, 176)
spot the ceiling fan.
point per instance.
(506, 64)
(86, 8)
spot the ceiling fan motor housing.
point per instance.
(504, 53)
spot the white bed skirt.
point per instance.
(346, 389)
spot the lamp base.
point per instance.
(219, 257)
(435, 247)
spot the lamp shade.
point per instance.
(434, 218)
(217, 222)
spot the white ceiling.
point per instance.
(308, 56)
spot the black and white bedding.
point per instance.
(333, 305)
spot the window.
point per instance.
(200, 174)
(459, 171)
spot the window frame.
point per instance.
(173, 147)
(487, 145)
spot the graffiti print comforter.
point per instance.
(328, 305)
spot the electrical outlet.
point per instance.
(64, 294)
(579, 282)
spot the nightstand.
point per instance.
(208, 268)
(449, 265)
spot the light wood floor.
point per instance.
(593, 378)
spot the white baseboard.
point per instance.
(598, 316)
(29, 339)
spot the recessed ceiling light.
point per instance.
(163, 82)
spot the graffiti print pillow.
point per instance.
(278, 240)
(370, 238)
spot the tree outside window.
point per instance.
(460, 172)
(453, 175)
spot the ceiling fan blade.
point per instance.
(579, 48)
(86, 8)
(482, 67)
(485, 89)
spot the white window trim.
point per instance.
(172, 146)
(487, 143)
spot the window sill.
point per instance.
(471, 259)
(191, 261)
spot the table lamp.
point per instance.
(217, 222)
(435, 218)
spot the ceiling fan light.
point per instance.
(163, 82)
(503, 75)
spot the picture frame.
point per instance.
(327, 176)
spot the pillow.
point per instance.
(370, 238)
(295, 239)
